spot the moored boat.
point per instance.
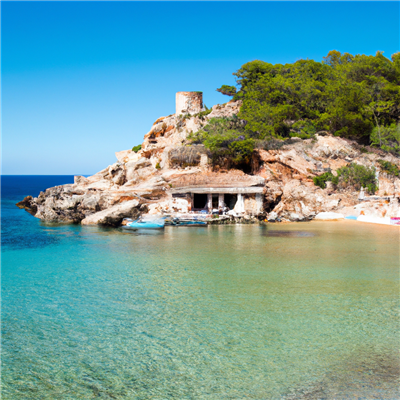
(143, 224)
(185, 222)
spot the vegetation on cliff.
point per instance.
(354, 96)
(227, 140)
(352, 175)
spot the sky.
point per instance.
(82, 80)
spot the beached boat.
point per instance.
(143, 224)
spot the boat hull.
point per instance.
(138, 224)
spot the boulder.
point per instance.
(300, 202)
(134, 176)
(80, 180)
(28, 204)
(114, 215)
(117, 173)
(133, 166)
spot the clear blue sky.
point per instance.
(82, 80)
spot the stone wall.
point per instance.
(189, 102)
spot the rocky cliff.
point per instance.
(145, 181)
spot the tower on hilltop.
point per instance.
(189, 102)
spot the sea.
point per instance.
(282, 311)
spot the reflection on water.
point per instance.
(217, 312)
(277, 233)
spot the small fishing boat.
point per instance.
(143, 224)
(185, 222)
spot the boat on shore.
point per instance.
(140, 223)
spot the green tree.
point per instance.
(387, 138)
(347, 95)
(227, 90)
(226, 139)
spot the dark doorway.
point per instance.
(199, 201)
(230, 200)
(215, 201)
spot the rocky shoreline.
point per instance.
(159, 178)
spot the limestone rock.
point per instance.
(379, 208)
(114, 215)
(117, 173)
(169, 165)
(80, 180)
(125, 156)
(28, 204)
(172, 205)
(300, 202)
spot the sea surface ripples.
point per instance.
(296, 311)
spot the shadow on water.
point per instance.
(141, 232)
(289, 234)
(367, 374)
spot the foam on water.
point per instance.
(222, 312)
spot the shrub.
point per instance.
(389, 168)
(357, 176)
(303, 130)
(351, 175)
(202, 114)
(137, 148)
(226, 140)
(271, 144)
(322, 179)
(387, 138)
(158, 166)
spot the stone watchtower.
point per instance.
(189, 102)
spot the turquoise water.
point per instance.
(306, 310)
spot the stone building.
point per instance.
(189, 102)
(216, 191)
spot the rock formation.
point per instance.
(156, 178)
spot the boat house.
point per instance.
(222, 191)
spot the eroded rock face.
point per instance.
(145, 181)
(114, 215)
(28, 204)
(288, 172)
(300, 202)
(379, 208)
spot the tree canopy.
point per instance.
(355, 96)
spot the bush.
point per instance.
(357, 176)
(271, 144)
(322, 179)
(352, 175)
(137, 148)
(226, 140)
(202, 114)
(389, 168)
(387, 138)
(303, 130)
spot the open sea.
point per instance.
(284, 311)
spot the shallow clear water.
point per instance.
(306, 310)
